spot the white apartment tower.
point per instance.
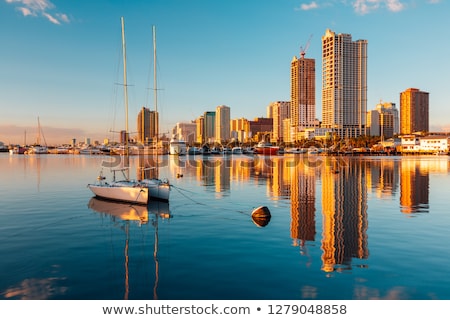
(344, 84)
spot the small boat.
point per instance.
(38, 149)
(294, 150)
(158, 189)
(17, 150)
(177, 147)
(194, 150)
(91, 151)
(313, 150)
(237, 150)
(215, 151)
(266, 148)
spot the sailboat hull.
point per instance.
(131, 194)
(157, 189)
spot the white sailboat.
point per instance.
(125, 190)
(38, 148)
(158, 189)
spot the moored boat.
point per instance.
(266, 148)
(177, 147)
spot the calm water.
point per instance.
(348, 228)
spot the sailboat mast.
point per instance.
(155, 92)
(154, 71)
(39, 133)
(125, 94)
(125, 88)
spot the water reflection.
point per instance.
(344, 214)
(343, 183)
(414, 186)
(140, 214)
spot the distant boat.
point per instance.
(266, 148)
(126, 190)
(3, 148)
(38, 148)
(17, 150)
(294, 150)
(194, 150)
(91, 150)
(177, 147)
(237, 150)
(215, 151)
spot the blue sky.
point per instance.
(61, 60)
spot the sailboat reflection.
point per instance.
(134, 213)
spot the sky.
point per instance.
(61, 61)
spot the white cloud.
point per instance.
(309, 6)
(395, 5)
(367, 6)
(42, 8)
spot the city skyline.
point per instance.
(60, 59)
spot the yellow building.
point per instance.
(414, 111)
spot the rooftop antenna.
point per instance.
(303, 50)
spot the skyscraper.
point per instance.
(223, 123)
(414, 111)
(147, 125)
(344, 84)
(303, 93)
(209, 126)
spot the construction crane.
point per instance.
(303, 50)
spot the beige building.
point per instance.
(222, 124)
(383, 121)
(344, 84)
(279, 111)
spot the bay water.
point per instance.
(340, 228)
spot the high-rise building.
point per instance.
(222, 124)
(383, 121)
(303, 93)
(414, 111)
(209, 126)
(279, 111)
(200, 128)
(147, 125)
(390, 108)
(344, 84)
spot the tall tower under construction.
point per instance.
(303, 93)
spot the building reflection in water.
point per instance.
(303, 199)
(344, 214)
(345, 183)
(344, 188)
(414, 186)
(383, 177)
